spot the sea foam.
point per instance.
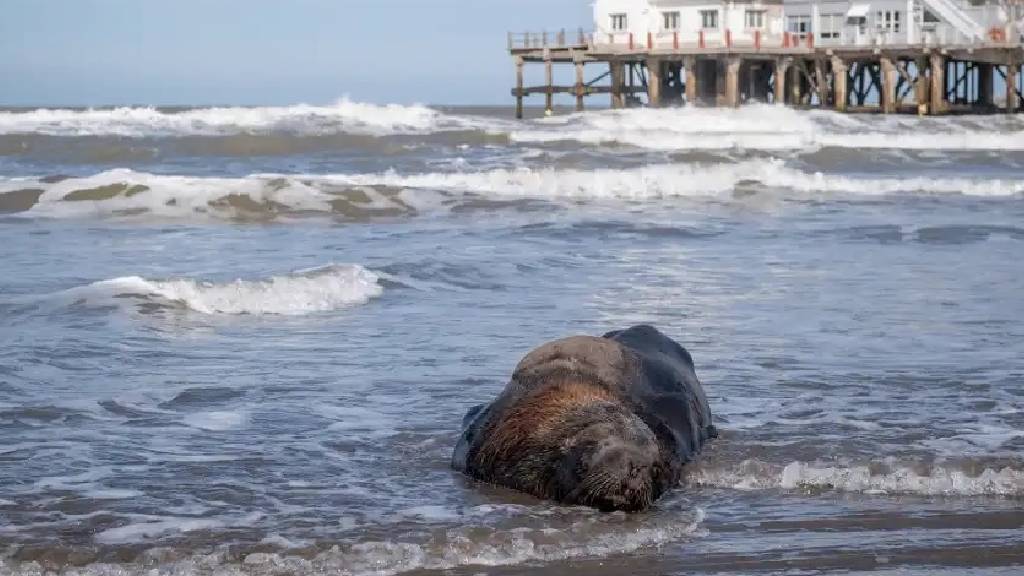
(318, 290)
(890, 477)
(772, 128)
(341, 117)
(473, 544)
(126, 193)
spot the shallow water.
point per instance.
(242, 341)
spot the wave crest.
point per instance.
(123, 192)
(768, 127)
(875, 478)
(319, 290)
(342, 117)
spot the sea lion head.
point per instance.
(612, 462)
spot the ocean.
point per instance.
(241, 341)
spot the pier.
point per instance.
(930, 76)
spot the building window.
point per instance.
(709, 19)
(888, 21)
(619, 22)
(831, 26)
(671, 20)
(754, 19)
(798, 25)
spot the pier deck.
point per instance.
(789, 69)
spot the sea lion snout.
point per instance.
(623, 473)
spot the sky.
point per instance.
(266, 52)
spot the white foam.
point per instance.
(149, 528)
(759, 126)
(767, 127)
(168, 196)
(216, 421)
(669, 180)
(343, 116)
(889, 477)
(102, 493)
(191, 197)
(320, 290)
(485, 546)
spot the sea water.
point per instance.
(242, 340)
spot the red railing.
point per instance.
(703, 40)
(558, 39)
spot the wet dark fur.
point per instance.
(606, 422)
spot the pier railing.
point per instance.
(936, 35)
(704, 39)
(560, 39)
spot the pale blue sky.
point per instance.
(92, 52)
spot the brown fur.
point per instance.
(536, 417)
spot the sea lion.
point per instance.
(606, 422)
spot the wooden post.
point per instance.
(549, 79)
(618, 72)
(938, 84)
(519, 87)
(840, 74)
(1012, 73)
(732, 82)
(888, 92)
(985, 84)
(722, 75)
(690, 62)
(795, 82)
(819, 79)
(654, 81)
(921, 95)
(580, 88)
(781, 73)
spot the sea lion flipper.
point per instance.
(471, 415)
(470, 427)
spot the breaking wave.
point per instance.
(755, 127)
(344, 116)
(889, 477)
(595, 536)
(129, 193)
(773, 128)
(318, 290)
(669, 180)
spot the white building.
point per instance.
(665, 23)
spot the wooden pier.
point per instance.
(790, 69)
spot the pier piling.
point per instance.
(549, 77)
(580, 86)
(888, 85)
(841, 75)
(732, 82)
(690, 63)
(655, 78)
(1012, 75)
(938, 87)
(519, 87)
